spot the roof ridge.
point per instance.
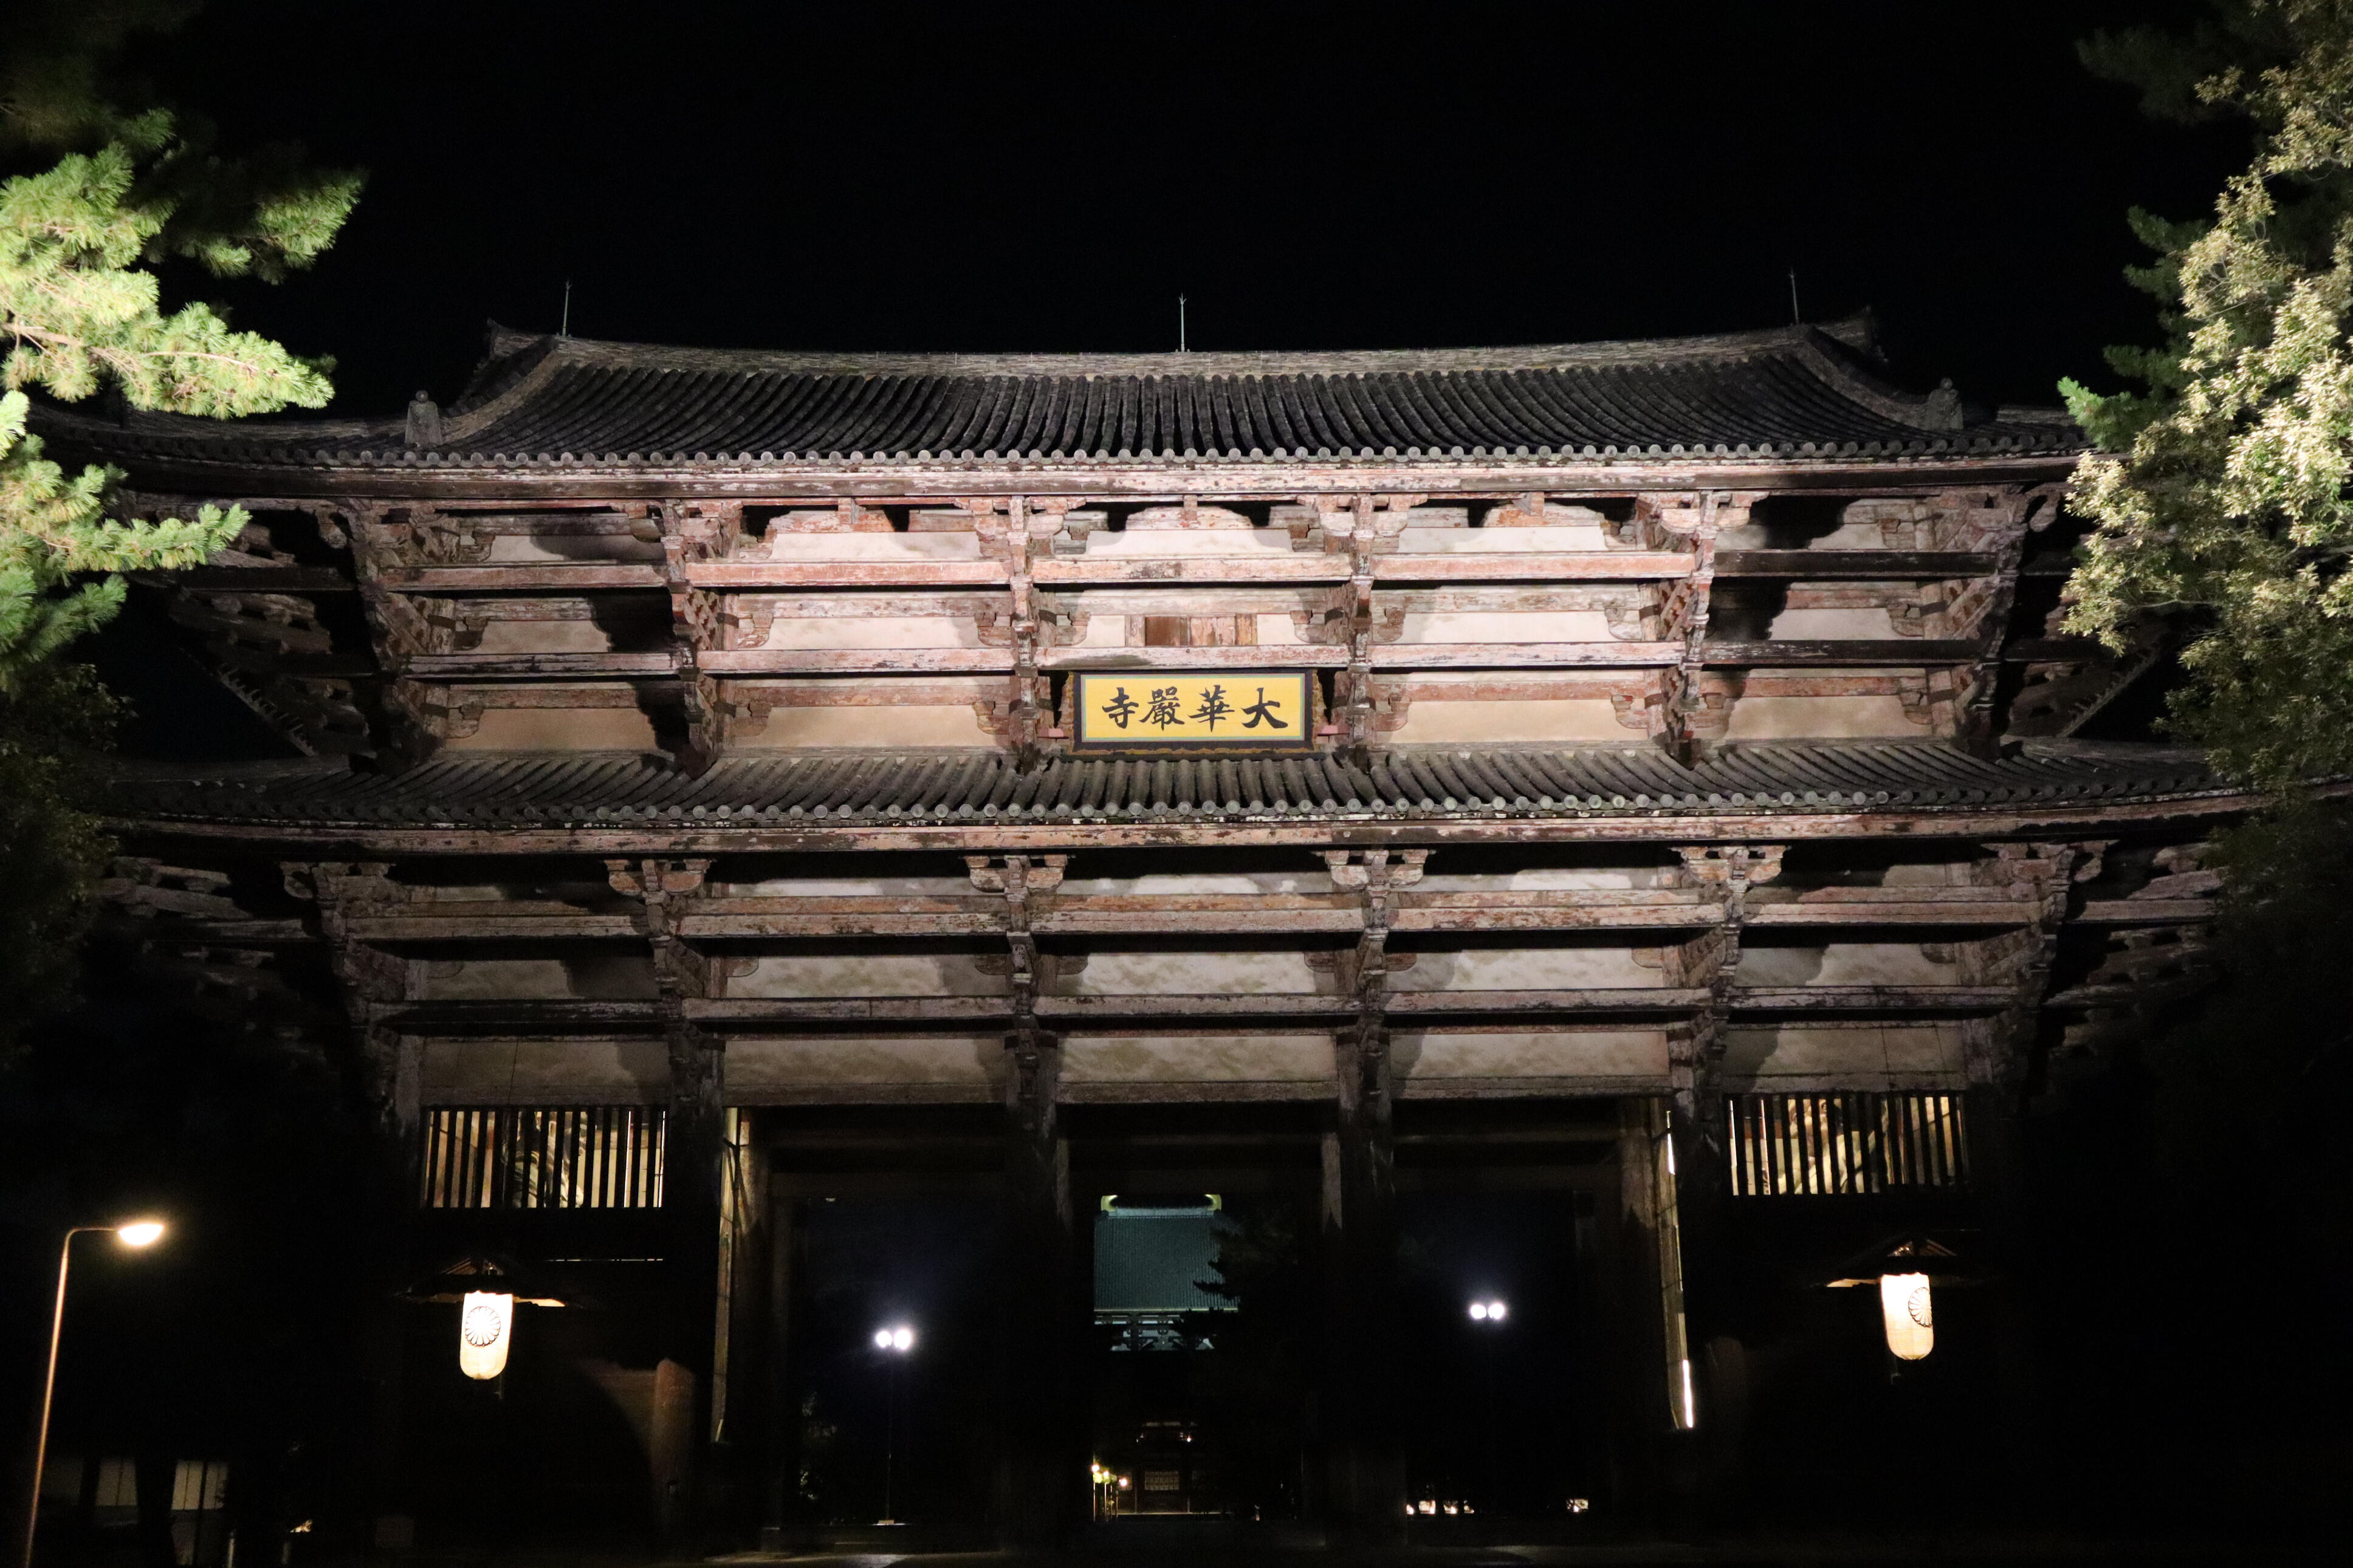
(613, 354)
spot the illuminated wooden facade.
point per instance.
(1689, 747)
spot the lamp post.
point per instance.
(893, 1342)
(1490, 1313)
(134, 1233)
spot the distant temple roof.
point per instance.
(954, 788)
(1806, 391)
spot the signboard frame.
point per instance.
(1290, 696)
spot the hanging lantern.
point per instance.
(485, 1325)
(1905, 1309)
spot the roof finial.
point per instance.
(565, 330)
(1795, 319)
(1181, 325)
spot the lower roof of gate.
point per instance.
(965, 788)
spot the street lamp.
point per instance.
(1491, 1313)
(894, 1341)
(136, 1233)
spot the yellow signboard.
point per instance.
(1246, 710)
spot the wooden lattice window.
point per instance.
(1829, 1144)
(542, 1157)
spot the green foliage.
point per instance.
(52, 725)
(2220, 490)
(131, 185)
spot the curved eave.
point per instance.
(1008, 832)
(565, 479)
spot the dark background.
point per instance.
(893, 175)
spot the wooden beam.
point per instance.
(1840, 651)
(537, 666)
(1267, 568)
(1594, 566)
(1856, 565)
(739, 575)
(519, 577)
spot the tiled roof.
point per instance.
(1793, 392)
(612, 790)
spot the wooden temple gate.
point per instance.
(703, 787)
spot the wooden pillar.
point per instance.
(1364, 1462)
(784, 1522)
(693, 1170)
(1998, 1151)
(1040, 1468)
(1700, 1124)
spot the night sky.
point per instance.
(1028, 177)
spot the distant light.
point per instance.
(1496, 1312)
(1489, 1311)
(882, 1339)
(1479, 1312)
(140, 1232)
(902, 1339)
(1122, 1483)
(1578, 1504)
(1429, 1505)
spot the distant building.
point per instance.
(730, 779)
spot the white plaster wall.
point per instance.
(608, 976)
(559, 730)
(850, 887)
(1526, 968)
(1302, 1060)
(494, 1072)
(1947, 874)
(1865, 535)
(1857, 1055)
(1567, 1053)
(1553, 541)
(1190, 542)
(1222, 882)
(1560, 878)
(544, 636)
(1822, 719)
(880, 726)
(873, 547)
(1432, 723)
(1845, 964)
(1825, 626)
(1276, 630)
(757, 1068)
(1507, 626)
(599, 547)
(867, 975)
(1194, 975)
(873, 631)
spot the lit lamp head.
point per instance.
(1907, 1312)
(485, 1330)
(1489, 1311)
(1903, 1271)
(140, 1233)
(901, 1340)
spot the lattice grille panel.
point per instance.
(542, 1157)
(1827, 1144)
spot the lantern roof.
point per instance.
(484, 1272)
(1945, 1258)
